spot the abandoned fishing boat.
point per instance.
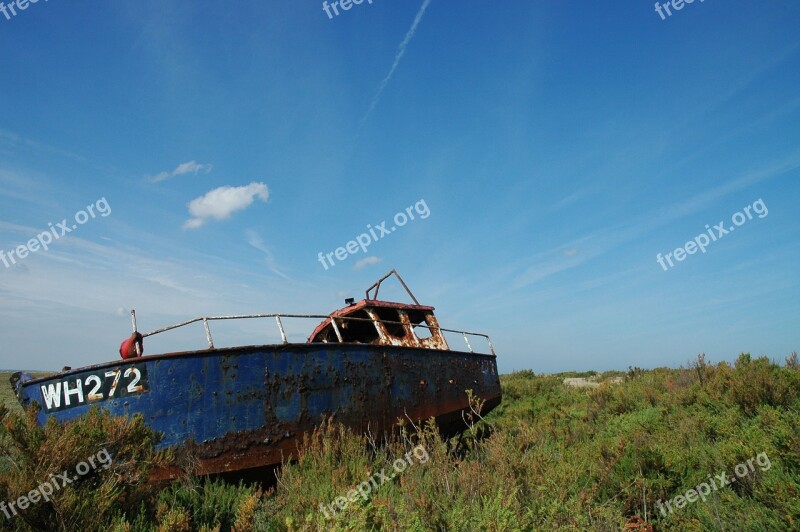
(367, 365)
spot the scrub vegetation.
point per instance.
(549, 457)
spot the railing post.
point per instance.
(336, 328)
(378, 329)
(468, 346)
(208, 333)
(491, 347)
(133, 323)
(280, 327)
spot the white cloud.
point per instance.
(222, 202)
(367, 261)
(192, 167)
(159, 177)
(193, 223)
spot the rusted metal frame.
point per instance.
(408, 337)
(380, 328)
(233, 317)
(485, 336)
(205, 320)
(336, 329)
(408, 329)
(169, 328)
(491, 347)
(377, 286)
(437, 338)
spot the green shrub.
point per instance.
(122, 450)
(549, 457)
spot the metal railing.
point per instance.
(333, 320)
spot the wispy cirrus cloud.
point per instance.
(604, 240)
(222, 202)
(191, 167)
(16, 143)
(255, 240)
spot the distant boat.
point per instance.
(367, 365)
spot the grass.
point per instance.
(7, 396)
(8, 399)
(550, 457)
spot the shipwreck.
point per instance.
(367, 365)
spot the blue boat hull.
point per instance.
(247, 407)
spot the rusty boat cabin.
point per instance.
(367, 365)
(375, 322)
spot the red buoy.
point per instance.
(128, 348)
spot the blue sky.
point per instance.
(558, 147)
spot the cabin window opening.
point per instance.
(327, 335)
(392, 321)
(358, 331)
(422, 331)
(421, 325)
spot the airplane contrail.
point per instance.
(401, 50)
